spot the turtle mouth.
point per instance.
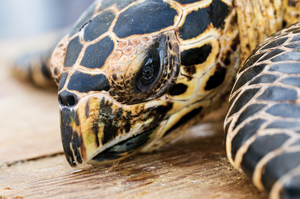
(125, 148)
(99, 131)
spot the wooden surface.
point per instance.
(32, 164)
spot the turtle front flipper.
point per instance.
(34, 67)
(263, 120)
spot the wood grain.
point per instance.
(193, 166)
(188, 168)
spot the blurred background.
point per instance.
(27, 18)
(30, 25)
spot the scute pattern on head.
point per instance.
(72, 53)
(136, 73)
(135, 20)
(57, 61)
(83, 82)
(214, 13)
(96, 54)
(84, 18)
(98, 25)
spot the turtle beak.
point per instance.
(97, 131)
(77, 143)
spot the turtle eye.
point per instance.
(149, 72)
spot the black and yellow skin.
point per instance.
(263, 120)
(133, 74)
(127, 78)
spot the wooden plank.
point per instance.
(29, 122)
(196, 168)
(29, 116)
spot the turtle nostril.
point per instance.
(66, 98)
(71, 100)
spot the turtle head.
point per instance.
(112, 94)
(131, 72)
